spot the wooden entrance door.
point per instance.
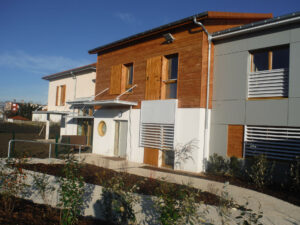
(153, 92)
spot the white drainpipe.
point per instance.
(209, 39)
(75, 84)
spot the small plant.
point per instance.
(217, 164)
(295, 176)
(12, 183)
(42, 184)
(71, 191)
(225, 205)
(248, 216)
(235, 167)
(177, 205)
(260, 173)
(118, 201)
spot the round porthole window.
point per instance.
(102, 128)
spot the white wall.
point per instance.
(189, 139)
(68, 126)
(105, 145)
(85, 87)
(42, 117)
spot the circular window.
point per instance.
(102, 128)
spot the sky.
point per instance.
(42, 37)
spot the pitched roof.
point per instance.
(69, 72)
(18, 118)
(181, 22)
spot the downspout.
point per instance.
(209, 39)
(75, 81)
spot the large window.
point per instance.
(172, 72)
(269, 73)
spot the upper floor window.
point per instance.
(121, 78)
(269, 73)
(172, 73)
(60, 95)
(128, 75)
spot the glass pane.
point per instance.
(169, 158)
(171, 90)
(260, 61)
(281, 58)
(173, 66)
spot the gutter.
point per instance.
(209, 39)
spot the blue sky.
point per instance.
(42, 37)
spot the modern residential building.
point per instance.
(256, 94)
(153, 104)
(67, 91)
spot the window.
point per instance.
(269, 73)
(274, 142)
(128, 75)
(171, 76)
(60, 95)
(121, 78)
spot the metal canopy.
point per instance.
(80, 101)
(80, 117)
(51, 112)
(113, 102)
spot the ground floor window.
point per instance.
(275, 142)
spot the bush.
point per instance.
(217, 164)
(295, 176)
(260, 171)
(71, 192)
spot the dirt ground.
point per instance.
(27, 212)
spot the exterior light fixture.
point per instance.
(169, 38)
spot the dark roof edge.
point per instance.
(177, 22)
(67, 73)
(244, 28)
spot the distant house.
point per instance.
(156, 110)
(17, 118)
(67, 91)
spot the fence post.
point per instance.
(56, 146)
(12, 145)
(79, 151)
(50, 150)
(9, 145)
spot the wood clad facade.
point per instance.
(147, 57)
(235, 141)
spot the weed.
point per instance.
(118, 201)
(71, 191)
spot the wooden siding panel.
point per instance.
(153, 78)
(235, 142)
(115, 79)
(151, 156)
(63, 95)
(57, 92)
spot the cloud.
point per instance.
(41, 64)
(127, 18)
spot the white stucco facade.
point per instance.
(188, 136)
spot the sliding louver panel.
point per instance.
(157, 135)
(274, 142)
(268, 83)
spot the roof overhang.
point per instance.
(257, 26)
(113, 102)
(80, 101)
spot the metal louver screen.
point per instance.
(157, 135)
(268, 83)
(274, 142)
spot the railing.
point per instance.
(41, 142)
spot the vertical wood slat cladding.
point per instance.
(115, 79)
(235, 141)
(153, 78)
(63, 95)
(151, 156)
(191, 45)
(57, 91)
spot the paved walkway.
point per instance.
(275, 211)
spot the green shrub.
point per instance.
(260, 171)
(235, 167)
(295, 176)
(118, 201)
(71, 192)
(217, 164)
